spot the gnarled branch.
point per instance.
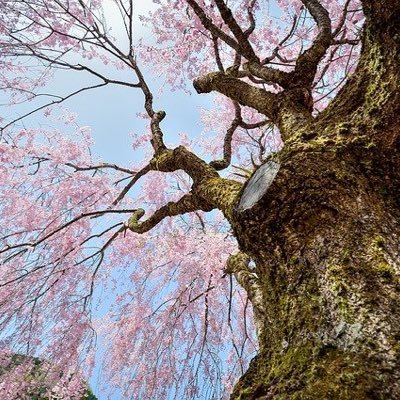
(187, 203)
(236, 122)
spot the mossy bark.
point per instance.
(325, 239)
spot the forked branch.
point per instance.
(211, 27)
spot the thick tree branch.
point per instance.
(245, 48)
(267, 74)
(181, 158)
(187, 203)
(211, 27)
(237, 90)
(307, 63)
(290, 108)
(210, 189)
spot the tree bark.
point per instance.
(325, 239)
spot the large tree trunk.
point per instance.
(325, 239)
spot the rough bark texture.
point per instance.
(325, 239)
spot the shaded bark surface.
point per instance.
(325, 239)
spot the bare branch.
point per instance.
(156, 117)
(51, 103)
(130, 185)
(101, 166)
(250, 14)
(342, 19)
(275, 53)
(226, 160)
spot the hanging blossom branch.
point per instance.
(55, 262)
(91, 214)
(100, 253)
